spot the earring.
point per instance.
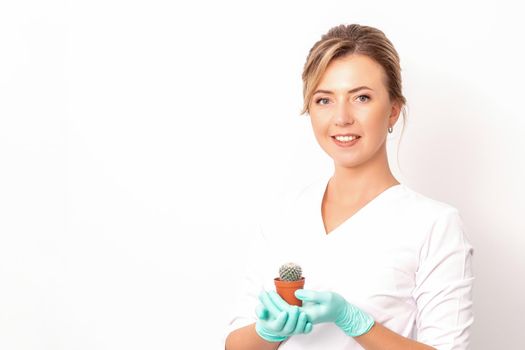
(390, 129)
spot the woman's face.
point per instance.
(352, 99)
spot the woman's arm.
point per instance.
(371, 335)
(246, 338)
(382, 338)
(378, 338)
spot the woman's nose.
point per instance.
(343, 114)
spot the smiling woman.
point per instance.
(387, 267)
(352, 105)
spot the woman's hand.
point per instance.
(332, 307)
(277, 320)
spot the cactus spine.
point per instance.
(290, 272)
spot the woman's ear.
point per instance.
(395, 111)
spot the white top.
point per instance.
(403, 258)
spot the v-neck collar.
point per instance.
(318, 202)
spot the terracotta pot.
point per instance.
(286, 290)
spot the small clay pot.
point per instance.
(286, 290)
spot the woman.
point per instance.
(386, 267)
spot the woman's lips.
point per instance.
(345, 143)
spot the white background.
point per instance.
(139, 141)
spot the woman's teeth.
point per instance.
(345, 138)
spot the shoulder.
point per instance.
(415, 217)
(293, 195)
(422, 205)
(294, 200)
(438, 222)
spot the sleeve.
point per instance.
(249, 287)
(443, 285)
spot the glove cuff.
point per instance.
(263, 333)
(353, 321)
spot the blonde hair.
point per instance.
(351, 39)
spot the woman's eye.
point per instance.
(363, 98)
(322, 101)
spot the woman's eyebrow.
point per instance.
(349, 91)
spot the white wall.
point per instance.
(139, 140)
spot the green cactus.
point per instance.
(290, 272)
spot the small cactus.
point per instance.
(290, 272)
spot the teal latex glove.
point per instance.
(278, 320)
(332, 307)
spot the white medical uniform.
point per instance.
(403, 258)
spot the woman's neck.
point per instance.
(350, 186)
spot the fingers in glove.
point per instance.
(278, 301)
(278, 324)
(312, 296)
(268, 303)
(308, 328)
(262, 312)
(291, 323)
(300, 327)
